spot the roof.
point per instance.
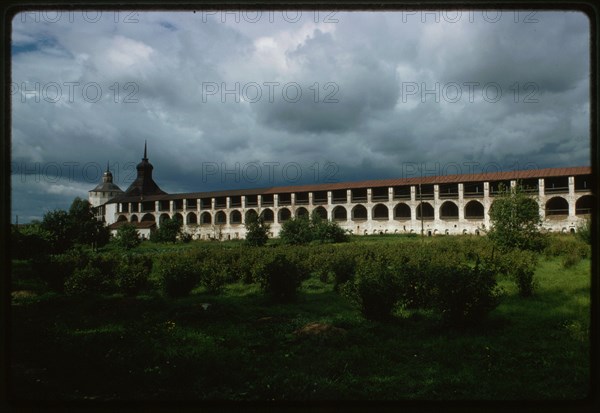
(106, 187)
(438, 179)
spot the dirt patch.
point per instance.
(320, 330)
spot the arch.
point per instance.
(191, 219)
(339, 213)
(427, 211)
(381, 212)
(449, 210)
(302, 212)
(134, 218)
(148, 218)
(122, 218)
(321, 212)
(557, 206)
(474, 210)
(178, 217)
(268, 215)
(359, 213)
(162, 217)
(584, 205)
(205, 218)
(235, 217)
(284, 214)
(402, 211)
(250, 214)
(220, 218)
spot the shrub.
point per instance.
(56, 269)
(374, 289)
(278, 277)
(584, 231)
(87, 280)
(178, 273)
(520, 265)
(127, 237)
(571, 259)
(214, 274)
(186, 237)
(296, 231)
(132, 274)
(464, 295)
(168, 231)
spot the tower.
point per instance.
(105, 190)
(144, 184)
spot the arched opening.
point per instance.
(163, 217)
(205, 218)
(424, 211)
(584, 205)
(250, 214)
(449, 211)
(220, 218)
(474, 210)
(191, 218)
(321, 212)
(340, 214)
(267, 215)
(557, 206)
(134, 218)
(235, 217)
(148, 218)
(122, 218)
(359, 213)
(381, 212)
(178, 217)
(284, 214)
(402, 212)
(302, 212)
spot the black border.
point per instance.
(11, 7)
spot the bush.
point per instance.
(168, 231)
(186, 237)
(257, 231)
(278, 277)
(520, 266)
(464, 295)
(56, 269)
(88, 280)
(132, 274)
(584, 231)
(374, 289)
(214, 274)
(179, 274)
(127, 237)
(302, 230)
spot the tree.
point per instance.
(168, 231)
(58, 226)
(302, 230)
(257, 231)
(516, 220)
(85, 228)
(127, 237)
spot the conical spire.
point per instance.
(145, 158)
(107, 163)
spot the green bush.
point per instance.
(88, 280)
(584, 231)
(215, 273)
(278, 276)
(178, 273)
(127, 237)
(464, 295)
(132, 274)
(374, 288)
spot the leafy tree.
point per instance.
(257, 231)
(168, 231)
(301, 230)
(296, 231)
(127, 237)
(85, 228)
(29, 241)
(515, 219)
(58, 226)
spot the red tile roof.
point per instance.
(439, 179)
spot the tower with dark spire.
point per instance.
(144, 184)
(105, 190)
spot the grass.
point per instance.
(238, 346)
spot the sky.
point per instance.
(257, 99)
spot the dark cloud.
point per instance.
(402, 92)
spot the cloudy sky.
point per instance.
(237, 100)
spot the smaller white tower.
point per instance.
(105, 190)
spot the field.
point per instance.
(238, 345)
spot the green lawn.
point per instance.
(241, 347)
